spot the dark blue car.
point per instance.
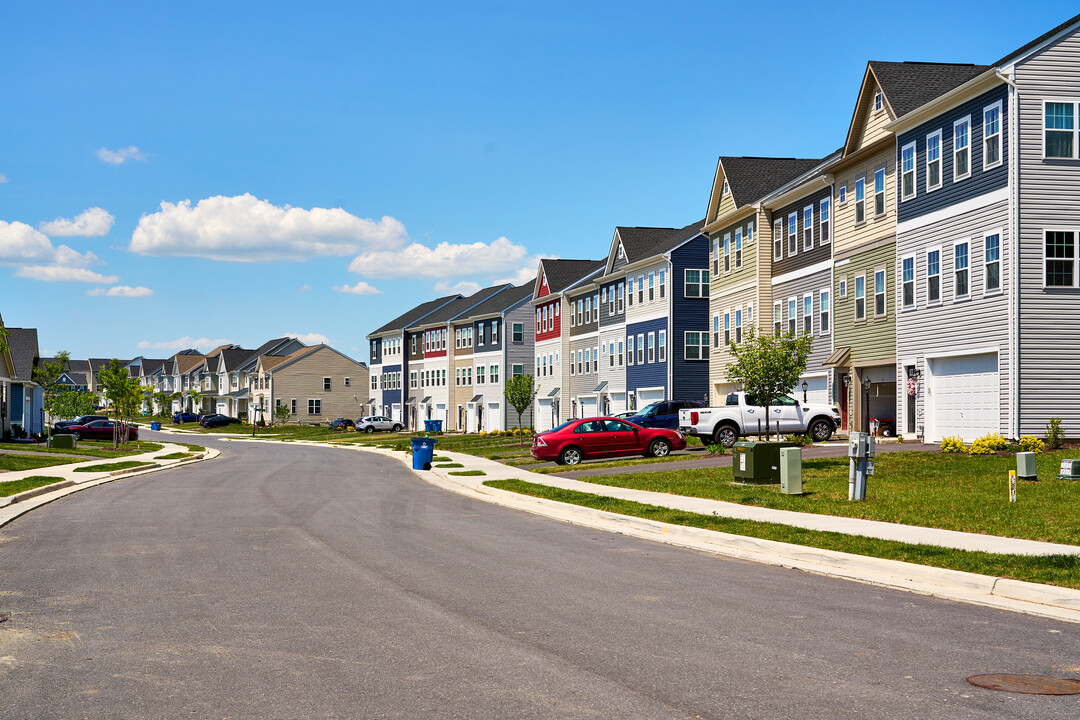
(663, 414)
(184, 417)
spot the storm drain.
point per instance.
(1027, 684)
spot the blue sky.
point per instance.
(211, 172)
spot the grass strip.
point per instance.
(441, 458)
(470, 473)
(15, 463)
(192, 448)
(615, 463)
(109, 467)
(87, 449)
(450, 465)
(174, 456)
(34, 481)
(1062, 570)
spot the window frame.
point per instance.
(661, 345)
(998, 134)
(904, 173)
(986, 262)
(793, 315)
(517, 332)
(808, 317)
(966, 120)
(629, 350)
(651, 340)
(808, 227)
(314, 406)
(881, 270)
(702, 283)
(327, 384)
(727, 253)
(860, 200)
(1074, 131)
(701, 350)
(927, 162)
(905, 283)
(778, 239)
(727, 328)
(1074, 260)
(966, 270)
(793, 234)
(860, 317)
(825, 220)
(825, 311)
(880, 182)
(841, 194)
(778, 318)
(738, 247)
(640, 348)
(738, 325)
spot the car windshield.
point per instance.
(560, 427)
(650, 409)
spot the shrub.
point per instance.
(994, 441)
(1055, 436)
(900, 439)
(715, 449)
(981, 447)
(952, 444)
(1030, 443)
(799, 440)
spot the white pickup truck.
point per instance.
(741, 415)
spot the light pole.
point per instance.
(805, 387)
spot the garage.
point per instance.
(649, 395)
(587, 407)
(817, 390)
(963, 396)
(494, 417)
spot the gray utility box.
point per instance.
(757, 462)
(1070, 470)
(67, 442)
(1025, 466)
(791, 471)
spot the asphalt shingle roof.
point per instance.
(562, 273)
(412, 316)
(505, 299)
(457, 307)
(752, 178)
(910, 85)
(23, 346)
(1037, 41)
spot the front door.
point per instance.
(844, 402)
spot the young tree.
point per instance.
(72, 403)
(281, 414)
(195, 396)
(769, 366)
(123, 393)
(175, 397)
(47, 375)
(520, 392)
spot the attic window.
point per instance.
(877, 101)
(724, 191)
(619, 252)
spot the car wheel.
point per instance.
(396, 428)
(659, 448)
(726, 435)
(821, 430)
(570, 456)
(369, 429)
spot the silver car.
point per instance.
(377, 422)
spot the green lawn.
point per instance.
(173, 456)
(88, 448)
(15, 463)
(953, 492)
(34, 481)
(109, 467)
(616, 463)
(1061, 570)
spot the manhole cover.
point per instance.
(1027, 684)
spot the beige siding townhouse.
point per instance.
(318, 384)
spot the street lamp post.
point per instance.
(805, 387)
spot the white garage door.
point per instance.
(817, 390)
(963, 396)
(649, 396)
(494, 417)
(543, 415)
(587, 407)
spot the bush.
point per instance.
(988, 444)
(1055, 436)
(1030, 443)
(799, 440)
(952, 444)
(715, 449)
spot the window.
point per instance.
(1059, 139)
(716, 330)
(468, 376)
(479, 374)
(696, 346)
(823, 308)
(630, 292)
(573, 316)
(652, 286)
(661, 342)
(652, 347)
(992, 262)
(907, 172)
(738, 248)
(517, 370)
(595, 359)
(581, 368)
(879, 293)
(629, 349)
(540, 327)
(860, 200)
(749, 314)
(292, 406)
(879, 191)
(697, 284)
(519, 332)
(825, 215)
(413, 345)
(716, 256)
(792, 233)
(326, 383)
(777, 318)
(992, 136)
(860, 297)
(621, 297)
(412, 379)
(663, 283)
(808, 314)
(541, 366)
(611, 301)
(494, 373)
(750, 232)
(808, 227)
(907, 271)
(1060, 258)
(494, 332)
(640, 348)
(348, 382)
(480, 335)
(375, 382)
(727, 253)
(877, 101)
(933, 276)
(841, 194)
(960, 270)
(581, 311)
(314, 407)
(792, 318)
(962, 148)
(588, 309)
(738, 326)
(933, 161)
(778, 239)
(843, 287)
(727, 329)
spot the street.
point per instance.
(284, 581)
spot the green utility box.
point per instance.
(1025, 466)
(757, 462)
(1070, 470)
(67, 442)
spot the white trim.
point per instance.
(821, 313)
(914, 284)
(1000, 235)
(975, 203)
(958, 123)
(1075, 259)
(805, 271)
(1075, 128)
(1000, 136)
(792, 225)
(926, 162)
(808, 296)
(914, 172)
(986, 350)
(826, 224)
(842, 263)
(967, 268)
(808, 214)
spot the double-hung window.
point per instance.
(611, 301)
(879, 191)
(629, 349)
(727, 329)
(588, 310)
(992, 262)
(738, 326)
(808, 227)
(808, 314)
(630, 292)
(573, 314)
(314, 407)
(661, 342)
(326, 383)
(962, 148)
(1061, 256)
(1060, 130)
(907, 270)
(992, 135)
(777, 318)
(621, 304)
(792, 234)
(824, 217)
(860, 297)
(652, 347)
(727, 252)
(696, 346)
(778, 239)
(716, 330)
(716, 256)
(640, 289)
(292, 406)
(596, 360)
(518, 332)
(792, 318)
(610, 350)
(907, 171)
(860, 200)
(933, 161)
(596, 308)
(879, 293)
(841, 193)
(960, 270)
(663, 284)
(494, 332)
(640, 348)
(479, 374)
(738, 248)
(750, 233)
(620, 354)
(824, 298)
(494, 374)
(933, 276)
(652, 286)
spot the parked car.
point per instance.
(577, 440)
(377, 422)
(342, 424)
(742, 414)
(663, 414)
(212, 421)
(81, 420)
(185, 417)
(100, 430)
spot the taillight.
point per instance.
(539, 441)
(693, 418)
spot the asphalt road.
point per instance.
(282, 581)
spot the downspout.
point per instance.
(830, 180)
(1014, 256)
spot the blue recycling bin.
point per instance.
(155, 425)
(423, 449)
(436, 426)
(429, 426)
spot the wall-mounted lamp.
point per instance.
(805, 387)
(914, 373)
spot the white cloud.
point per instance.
(360, 288)
(310, 338)
(304, 288)
(122, 291)
(120, 155)
(524, 275)
(245, 229)
(3, 178)
(444, 260)
(21, 244)
(59, 273)
(183, 343)
(90, 223)
(465, 287)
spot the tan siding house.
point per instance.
(318, 384)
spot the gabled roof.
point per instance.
(278, 362)
(678, 237)
(233, 358)
(82, 366)
(416, 314)
(98, 363)
(23, 344)
(505, 300)
(638, 242)
(462, 305)
(184, 362)
(1037, 41)
(752, 178)
(561, 274)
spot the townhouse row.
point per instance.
(933, 258)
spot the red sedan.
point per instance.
(99, 430)
(574, 441)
